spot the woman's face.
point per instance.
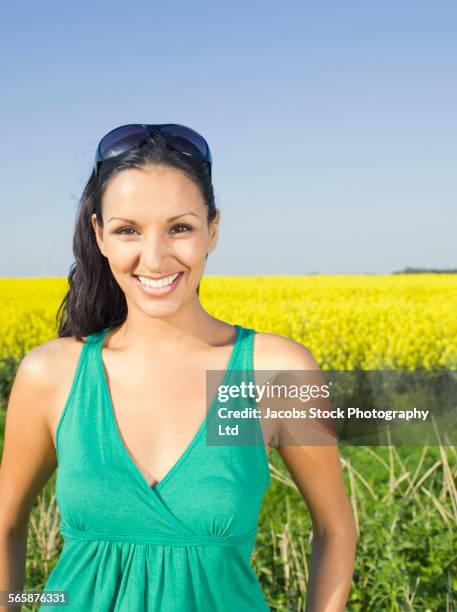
(155, 226)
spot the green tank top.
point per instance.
(183, 545)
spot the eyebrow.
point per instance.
(168, 220)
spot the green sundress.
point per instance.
(183, 545)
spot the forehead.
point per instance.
(157, 190)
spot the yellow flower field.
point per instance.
(404, 321)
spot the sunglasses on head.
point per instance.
(135, 135)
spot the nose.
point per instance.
(155, 250)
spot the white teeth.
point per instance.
(158, 284)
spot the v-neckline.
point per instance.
(117, 434)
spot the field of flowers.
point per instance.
(348, 322)
(404, 499)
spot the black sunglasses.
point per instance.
(135, 135)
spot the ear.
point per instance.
(98, 231)
(214, 232)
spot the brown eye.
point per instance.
(182, 225)
(123, 230)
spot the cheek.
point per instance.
(191, 252)
(121, 255)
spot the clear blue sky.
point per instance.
(332, 124)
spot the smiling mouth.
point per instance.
(159, 283)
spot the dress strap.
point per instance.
(244, 356)
(78, 391)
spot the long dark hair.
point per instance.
(94, 299)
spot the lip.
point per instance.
(156, 277)
(158, 291)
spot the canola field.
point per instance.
(402, 321)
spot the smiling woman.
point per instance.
(155, 519)
(137, 206)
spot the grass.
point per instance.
(404, 502)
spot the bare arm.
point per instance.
(316, 470)
(28, 461)
(317, 473)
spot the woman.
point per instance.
(153, 518)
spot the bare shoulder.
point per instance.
(276, 352)
(47, 371)
(45, 363)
